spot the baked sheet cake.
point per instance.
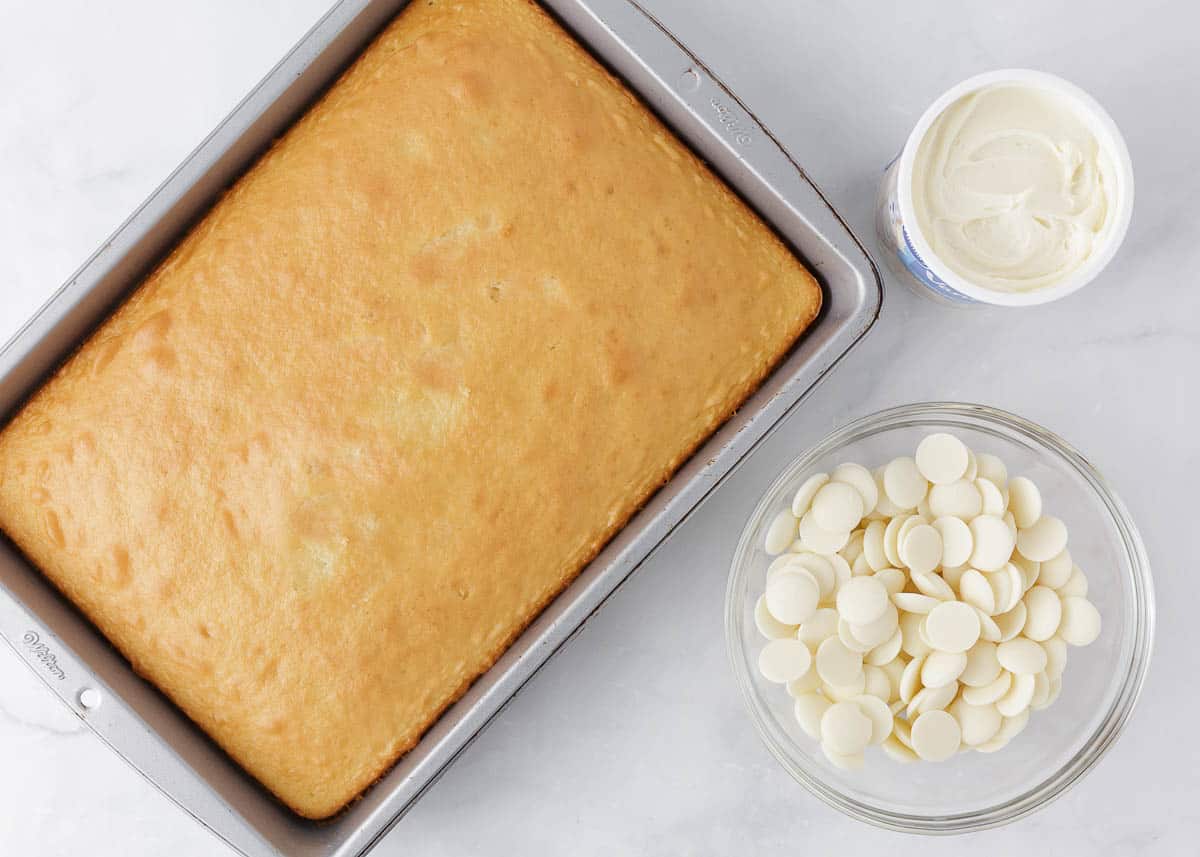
(396, 389)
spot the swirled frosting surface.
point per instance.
(1012, 189)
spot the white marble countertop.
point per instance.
(633, 740)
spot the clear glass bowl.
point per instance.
(1101, 683)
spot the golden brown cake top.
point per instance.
(392, 393)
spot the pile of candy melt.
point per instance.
(925, 607)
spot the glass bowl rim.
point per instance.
(1053, 786)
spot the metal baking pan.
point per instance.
(138, 722)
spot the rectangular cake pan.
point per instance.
(140, 724)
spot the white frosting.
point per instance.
(1012, 189)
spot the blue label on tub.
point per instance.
(913, 261)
